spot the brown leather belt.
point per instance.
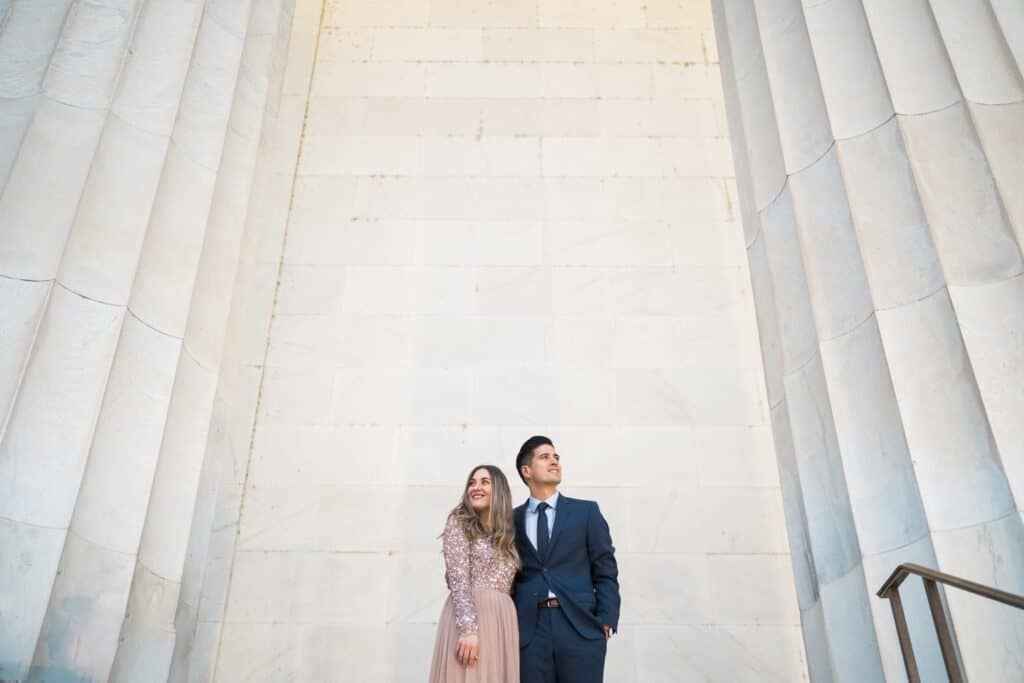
(550, 602)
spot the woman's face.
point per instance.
(479, 491)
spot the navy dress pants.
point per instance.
(558, 654)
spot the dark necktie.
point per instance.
(542, 532)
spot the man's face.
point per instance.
(545, 468)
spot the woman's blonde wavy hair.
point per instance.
(502, 533)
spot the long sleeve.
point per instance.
(604, 571)
(457, 565)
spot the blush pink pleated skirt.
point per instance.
(499, 642)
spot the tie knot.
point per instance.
(542, 507)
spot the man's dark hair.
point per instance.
(525, 456)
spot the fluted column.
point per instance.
(106, 526)
(29, 31)
(125, 162)
(46, 438)
(200, 614)
(148, 636)
(980, 189)
(879, 244)
(970, 459)
(234, 401)
(816, 641)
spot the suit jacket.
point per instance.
(580, 570)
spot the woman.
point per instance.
(478, 636)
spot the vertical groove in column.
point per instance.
(803, 126)
(988, 66)
(22, 304)
(28, 37)
(958, 415)
(965, 163)
(1010, 15)
(981, 58)
(757, 115)
(42, 457)
(833, 535)
(52, 417)
(164, 283)
(148, 636)
(1000, 129)
(850, 76)
(140, 383)
(233, 412)
(39, 200)
(37, 208)
(870, 246)
(815, 638)
(901, 267)
(952, 408)
(868, 405)
(959, 196)
(821, 245)
(904, 205)
(918, 73)
(248, 336)
(876, 459)
(88, 598)
(848, 651)
(169, 260)
(818, 640)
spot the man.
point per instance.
(567, 593)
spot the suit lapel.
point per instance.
(564, 506)
(520, 519)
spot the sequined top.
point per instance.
(472, 566)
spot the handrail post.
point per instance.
(931, 578)
(943, 632)
(903, 631)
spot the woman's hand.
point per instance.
(468, 649)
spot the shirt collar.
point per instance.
(552, 502)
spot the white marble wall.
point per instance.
(240, 383)
(509, 218)
(879, 147)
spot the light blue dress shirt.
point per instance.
(531, 521)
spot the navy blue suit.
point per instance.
(566, 644)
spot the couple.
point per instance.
(554, 553)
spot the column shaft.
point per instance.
(892, 252)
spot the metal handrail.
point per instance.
(891, 590)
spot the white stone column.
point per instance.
(40, 195)
(901, 228)
(234, 403)
(120, 203)
(833, 595)
(89, 597)
(29, 31)
(148, 636)
(215, 525)
(66, 356)
(28, 35)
